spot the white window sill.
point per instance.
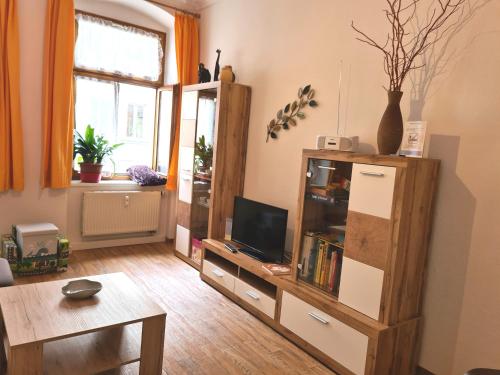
(127, 184)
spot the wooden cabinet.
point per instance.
(353, 299)
(212, 151)
(362, 230)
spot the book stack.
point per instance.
(321, 262)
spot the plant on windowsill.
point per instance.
(203, 154)
(93, 149)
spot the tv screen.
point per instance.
(260, 229)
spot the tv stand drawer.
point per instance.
(219, 275)
(254, 297)
(344, 344)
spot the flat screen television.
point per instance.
(259, 229)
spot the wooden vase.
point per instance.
(390, 130)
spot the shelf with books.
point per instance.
(321, 262)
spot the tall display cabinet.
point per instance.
(212, 153)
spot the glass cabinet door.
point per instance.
(326, 199)
(202, 169)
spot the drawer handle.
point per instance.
(319, 318)
(325, 167)
(218, 273)
(187, 170)
(186, 178)
(252, 295)
(370, 173)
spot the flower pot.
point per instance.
(90, 172)
(390, 130)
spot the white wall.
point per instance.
(275, 46)
(57, 206)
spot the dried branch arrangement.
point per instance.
(288, 115)
(403, 45)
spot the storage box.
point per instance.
(196, 247)
(37, 240)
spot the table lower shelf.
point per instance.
(94, 352)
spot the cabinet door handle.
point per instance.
(252, 295)
(370, 173)
(319, 318)
(218, 273)
(325, 167)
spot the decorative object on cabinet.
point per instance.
(414, 139)
(203, 74)
(212, 152)
(217, 66)
(353, 299)
(288, 116)
(227, 74)
(390, 130)
(93, 149)
(401, 51)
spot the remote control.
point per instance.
(231, 248)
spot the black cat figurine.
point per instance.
(217, 66)
(203, 74)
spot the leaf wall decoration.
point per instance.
(288, 115)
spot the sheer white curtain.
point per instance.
(105, 46)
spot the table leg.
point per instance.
(153, 335)
(26, 360)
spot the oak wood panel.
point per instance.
(26, 360)
(367, 239)
(184, 214)
(152, 338)
(205, 332)
(228, 170)
(188, 260)
(410, 241)
(94, 352)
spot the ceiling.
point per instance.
(190, 5)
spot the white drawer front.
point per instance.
(218, 275)
(337, 340)
(372, 189)
(185, 187)
(182, 240)
(255, 298)
(186, 159)
(361, 287)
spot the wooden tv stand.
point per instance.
(342, 338)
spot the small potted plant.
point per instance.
(203, 156)
(92, 149)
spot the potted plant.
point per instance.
(92, 149)
(203, 156)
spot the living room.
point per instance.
(425, 285)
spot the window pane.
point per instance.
(122, 113)
(136, 120)
(105, 46)
(164, 130)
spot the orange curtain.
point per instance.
(11, 137)
(58, 119)
(187, 49)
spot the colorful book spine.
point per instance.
(319, 261)
(326, 266)
(333, 264)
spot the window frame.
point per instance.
(158, 85)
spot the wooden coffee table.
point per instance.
(46, 333)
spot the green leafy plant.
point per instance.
(288, 115)
(203, 154)
(92, 148)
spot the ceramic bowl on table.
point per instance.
(80, 289)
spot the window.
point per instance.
(118, 90)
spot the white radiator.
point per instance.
(120, 212)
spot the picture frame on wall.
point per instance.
(413, 139)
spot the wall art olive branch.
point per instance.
(292, 112)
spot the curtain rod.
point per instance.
(196, 15)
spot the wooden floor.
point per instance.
(206, 333)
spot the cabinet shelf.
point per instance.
(94, 352)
